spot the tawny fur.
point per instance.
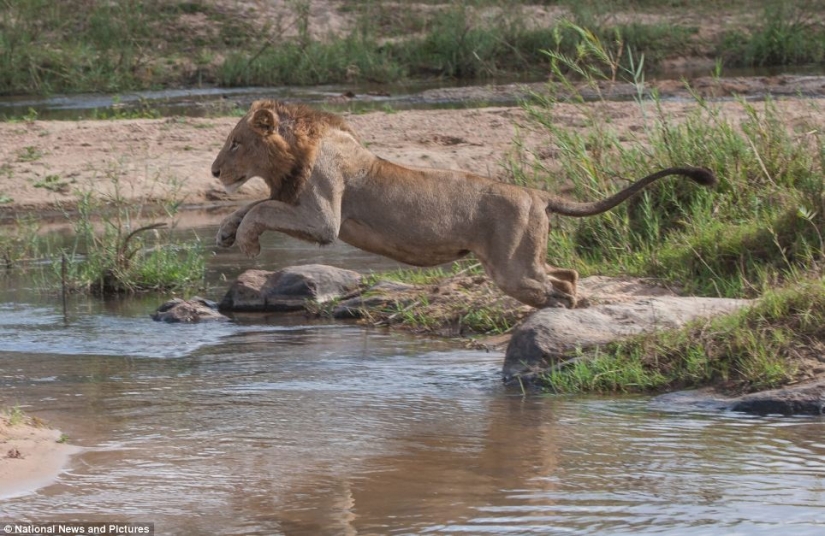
(325, 185)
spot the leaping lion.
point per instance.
(324, 184)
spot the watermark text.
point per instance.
(16, 528)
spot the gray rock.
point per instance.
(549, 335)
(289, 289)
(195, 309)
(802, 399)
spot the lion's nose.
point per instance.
(216, 173)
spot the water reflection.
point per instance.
(287, 426)
(339, 430)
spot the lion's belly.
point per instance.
(398, 245)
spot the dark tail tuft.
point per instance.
(702, 176)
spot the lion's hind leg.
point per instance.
(514, 257)
(534, 286)
(539, 294)
(543, 294)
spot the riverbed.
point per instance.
(288, 425)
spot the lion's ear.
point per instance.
(263, 121)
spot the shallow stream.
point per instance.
(427, 94)
(281, 425)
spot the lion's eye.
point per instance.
(234, 146)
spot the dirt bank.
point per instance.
(45, 164)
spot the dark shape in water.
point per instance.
(196, 309)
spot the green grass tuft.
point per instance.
(82, 46)
(776, 341)
(124, 256)
(788, 33)
(113, 250)
(15, 416)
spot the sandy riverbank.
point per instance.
(32, 455)
(45, 164)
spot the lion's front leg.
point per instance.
(311, 221)
(248, 235)
(228, 229)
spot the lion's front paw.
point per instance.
(227, 231)
(250, 248)
(225, 237)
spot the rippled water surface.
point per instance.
(289, 426)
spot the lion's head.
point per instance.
(277, 142)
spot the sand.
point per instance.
(45, 164)
(31, 456)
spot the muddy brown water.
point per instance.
(281, 425)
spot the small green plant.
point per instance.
(5, 198)
(603, 373)
(409, 276)
(63, 439)
(53, 183)
(15, 416)
(118, 246)
(20, 242)
(120, 258)
(118, 111)
(459, 301)
(489, 320)
(29, 154)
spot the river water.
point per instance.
(284, 425)
(438, 93)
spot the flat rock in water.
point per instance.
(804, 399)
(289, 289)
(621, 308)
(195, 309)
(801, 399)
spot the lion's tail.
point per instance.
(557, 205)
